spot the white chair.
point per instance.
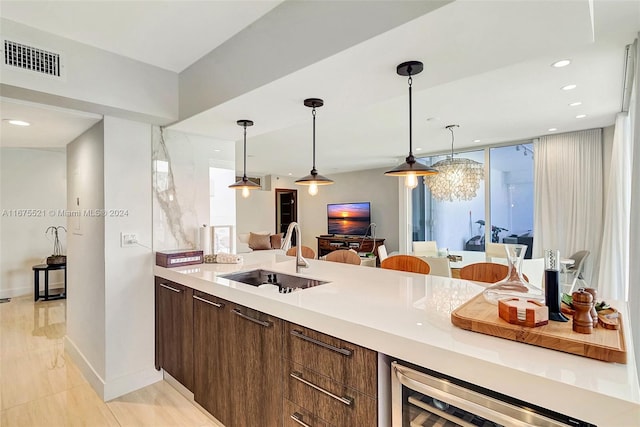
(494, 250)
(382, 253)
(439, 266)
(534, 270)
(425, 248)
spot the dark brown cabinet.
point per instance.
(334, 381)
(237, 362)
(174, 330)
(255, 387)
(211, 356)
(247, 368)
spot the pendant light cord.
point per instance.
(244, 170)
(450, 127)
(313, 113)
(410, 120)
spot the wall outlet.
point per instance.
(128, 239)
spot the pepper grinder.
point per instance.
(593, 312)
(552, 285)
(582, 304)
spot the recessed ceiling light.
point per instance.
(17, 122)
(418, 149)
(216, 150)
(477, 140)
(552, 129)
(561, 63)
(575, 104)
(290, 174)
(581, 116)
(569, 87)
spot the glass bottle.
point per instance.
(552, 285)
(514, 285)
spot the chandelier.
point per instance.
(458, 179)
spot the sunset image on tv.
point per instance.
(348, 218)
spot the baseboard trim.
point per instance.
(130, 382)
(95, 380)
(108, 390)
(16, 292)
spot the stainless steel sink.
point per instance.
(285, 282)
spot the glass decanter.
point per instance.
(514, 285)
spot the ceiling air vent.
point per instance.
(31, 58)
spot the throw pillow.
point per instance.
(259, 241)
(276, 241)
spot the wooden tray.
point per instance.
(603, 344)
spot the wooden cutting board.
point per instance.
(603, 344)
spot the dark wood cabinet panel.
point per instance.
(340, 360)
(211, 361)
(255, 388)
(328, 399)
(294, 415)
(174, 330)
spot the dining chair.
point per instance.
(346, 256)
(575, 271)
(439, 266)
(382, 253)
(427, 247)
(494, 250)
(410, 263)
(307, 252)
(487, 272)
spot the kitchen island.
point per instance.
(407, 317)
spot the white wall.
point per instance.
(94, 80)
(258, 211)
(34, 179)
(86, 333)
(110, 318)
(129, 286)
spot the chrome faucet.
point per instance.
(286, 244)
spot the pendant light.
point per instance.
(458, 178)
(314, 179)
(410, 169)
(245, 184)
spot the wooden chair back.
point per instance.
(345, 256)
(408, 263)
(307, 252)
(487, 272)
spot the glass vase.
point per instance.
(514, 285)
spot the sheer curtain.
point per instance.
(613, 277)
(568, 195)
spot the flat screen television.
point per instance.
(351, 219)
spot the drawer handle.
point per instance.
(170, 288)
(264, 323)
(215, 304)
(298, 418)
(343, 399)
(343, 351)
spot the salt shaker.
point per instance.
(593, 312)
(582, 304)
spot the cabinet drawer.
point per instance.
(296, 416)
(327, 399)
(347, 363)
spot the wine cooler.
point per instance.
(421, 398)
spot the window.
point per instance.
(460, 225)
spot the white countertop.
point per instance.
(407, 316)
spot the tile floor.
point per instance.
(41, 386)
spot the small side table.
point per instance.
(36, 281)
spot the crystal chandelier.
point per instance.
(458, 179)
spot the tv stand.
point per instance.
(328, 244)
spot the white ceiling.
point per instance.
(487, 68)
